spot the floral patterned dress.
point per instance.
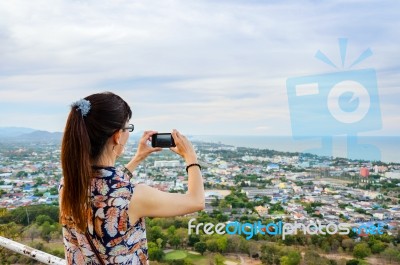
(117, 240)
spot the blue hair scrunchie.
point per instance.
(83, 105)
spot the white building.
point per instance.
(381, 214)
(392, 175)
(165, 163)
(6, 187)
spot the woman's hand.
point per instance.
(143, 150)
(183, 147)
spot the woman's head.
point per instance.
(107, 115)
(91, 124)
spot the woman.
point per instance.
(102, 213)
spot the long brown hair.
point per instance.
(83, 142)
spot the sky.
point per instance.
(202, 67)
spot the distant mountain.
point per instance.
(14, 131)
(42, 135)
(28, 134)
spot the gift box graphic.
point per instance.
(344, 102)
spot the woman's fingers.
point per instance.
(147, 136)
(182, 144)
(156, 149)
(174, 135)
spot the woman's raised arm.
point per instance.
(148, 201)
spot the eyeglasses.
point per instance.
(130, 128)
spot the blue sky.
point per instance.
(203, 67)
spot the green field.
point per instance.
(176, 254)
(197, 259)
(182, 254)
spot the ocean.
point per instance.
(372, 148)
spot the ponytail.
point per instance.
(90, 124)
(77, 170)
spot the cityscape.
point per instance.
(241, 185)
(292, 108)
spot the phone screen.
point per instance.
(163, 140)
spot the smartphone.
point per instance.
(163, 140)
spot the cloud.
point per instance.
(201, 65)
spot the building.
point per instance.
(272, 166)
(381, 214)
(165, 163)
(251, 193)
(392, 175)
(262, 211)
(364, 172)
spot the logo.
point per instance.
(366, 229)
(344, 102)
(281, 228)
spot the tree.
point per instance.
(53, 191)
(352, 262)
(215, 201)
(348, 244)
(171, 230)
(21, 174)
(174, 241)
(155, 253)
(21, 215)
(391, 254)
(182, 233)
(200, 247)
(55, 235)
(32, 231)
(277, 207)
(212, 245)
(361, 251)
(10, 230)
(222, 243)
(325, 246)
(222, 218)
(293, 258)
(377, 247)
(40, 219)
(193, 239)
(46, 230)
(159, 242)
(154, 233)
(219, 259)
(37, 193)
(254, 248)
(335, 244)
(233, 244)
(289, 240)
(270, 254)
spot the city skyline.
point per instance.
(201, 67)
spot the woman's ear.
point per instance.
(117, 137)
